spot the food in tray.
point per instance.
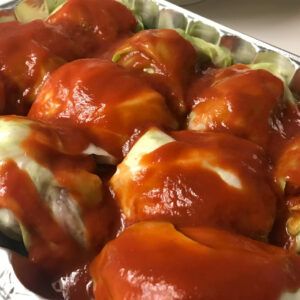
(28, 53)
(93, 26)
(288, 180)
(164, 58)
(146, 167)
(103, 100)
(203, 179)
(238, 100)
(191, 263)
(50, 197)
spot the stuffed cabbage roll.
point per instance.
(93, 25)
(287, 175)
(103, 100)
(287, 169)
(164, 58)
(156, 261)
(49, 196)
(192, 179)
(289, 129)
(238, 100)
(28, 54)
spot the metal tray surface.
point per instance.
(225, 31)
(245, 49)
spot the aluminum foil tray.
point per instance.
(245, 49)
(158, 14)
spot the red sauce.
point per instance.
(164, 59)
(52, 249)
(45, 234)
(93, 24)
(237, 100)
(90, 101)
(33, 277)
(103, 100)
(287, 167)
(46, 35)
(203, 264)
(286, 155)
(288, 127)
(75, 285)
(74, 172)
(187, 191)
(28, 53)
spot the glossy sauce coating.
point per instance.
(203, 264)
(93, 24)
(103, 100)
(205, 179)
(287, 177)
(73, 181)
(73, 173)
(44, 34)
(46, 236)
(283, 154)
(236, 100)
(28, 54)
(165, 59)
(288, 125)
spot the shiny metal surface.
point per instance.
(10, 286)
(8, 4)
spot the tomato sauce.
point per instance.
(45, 234)
(154, 81)
(199, 263)
(237, 100)
(28, 54)
(52, 251)
(188, 188)
(76, 173)
(164, 59)
(93, 25)
(102, 100)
